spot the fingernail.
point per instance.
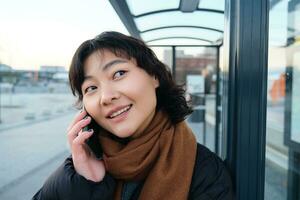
(86, 117)
(90, 130)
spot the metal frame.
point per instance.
(218, 102)
(182, 26)
(182, 45)
(188, 5)
(124, 13)
(174, 61)
(122, 9)
(178, 37)
(245, 90)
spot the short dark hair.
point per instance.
(170, 97)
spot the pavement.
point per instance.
(29, 154)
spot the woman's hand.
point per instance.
(84, 162)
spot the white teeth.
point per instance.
(119, 112)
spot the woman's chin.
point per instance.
(123, 133)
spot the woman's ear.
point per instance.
(155, 81)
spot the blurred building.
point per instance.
(46, 79)
(200, 64)
(5, 68)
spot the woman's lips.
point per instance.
(121, 116)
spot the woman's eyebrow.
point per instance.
(106, 67)
(86, 78)
(112, 63)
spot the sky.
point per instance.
(34, 33)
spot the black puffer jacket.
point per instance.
(211, 181)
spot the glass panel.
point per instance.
(283, 107)
(212, 4)
(200, 18)
(188, 32)
(164, 54)
(138, 7)
(196, 67)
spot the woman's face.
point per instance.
(118, 94)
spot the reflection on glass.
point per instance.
(164, 57)
(196, 68)
(283, 102)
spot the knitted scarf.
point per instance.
(163, 155)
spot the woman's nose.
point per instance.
(108, 94)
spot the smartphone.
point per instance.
(93, 142)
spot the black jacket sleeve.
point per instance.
(65, 183)
(211, 179)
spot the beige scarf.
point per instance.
(163, 155)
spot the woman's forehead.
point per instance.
(104, 59)
(108, 53)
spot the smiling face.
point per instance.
(118, 94)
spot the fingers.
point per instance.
(77, 137)
(78, 147)
(78, 117)
(82, 136)
(74, 131)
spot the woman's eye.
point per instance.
(88, 89)
(118, 74)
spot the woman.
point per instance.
(149, 151)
